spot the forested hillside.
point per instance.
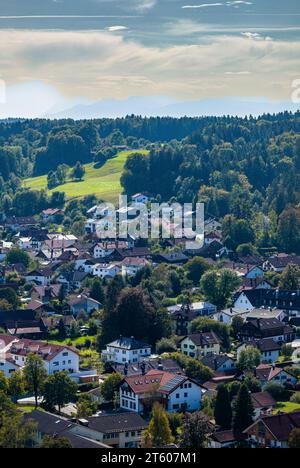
(246, 168)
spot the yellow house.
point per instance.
(200, 344)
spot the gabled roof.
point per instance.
(155, 381)
(215, 361)
(128, 343)
(120, 422)
(266, 372)
(280, 425)
(262, 400)
(203, 339)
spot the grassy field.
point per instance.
(287, 407)
(103, 182)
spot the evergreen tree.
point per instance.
(223, 411)
(97, 292)
(243, 415)
(159, 427)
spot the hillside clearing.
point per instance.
(104, 182)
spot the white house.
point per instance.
(42, 277)
(126, 350)
(24, 243)
(140, 198)
(103, 270)
(242, 302)
(269, 349)
(56, 358)
(200, 344)
(176, 393)
(131, 265)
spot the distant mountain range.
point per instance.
(164, 106)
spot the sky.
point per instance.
(59, 54)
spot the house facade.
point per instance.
(174, 392)
(201, 344)
(126, 350)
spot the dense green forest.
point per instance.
(246, 170)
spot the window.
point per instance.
(186, 395)
(177, 395)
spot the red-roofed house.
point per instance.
(173, 391)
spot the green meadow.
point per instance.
(104, 182)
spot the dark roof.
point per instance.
(120, 422)
(168, 365)
(57, 426)
(262, 400)
(214, 361)
(128, 343)
(269, 325)
(223, 437)
(283, 261)
(274, 298)
(16, 316)
(202, 339)
(173, 257)
(265, 345)
(280, 425)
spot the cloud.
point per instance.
(202, 5)
(116, 28)
(99, 65)
(256, 36)
(234, 4)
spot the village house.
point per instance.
(278, 263)
(56, 358)
(16, 223)
(126, 350)
(256, 329)
(268, 347)
(289, 301)
(267, 373)
(174, 392)
(120, 430)
(50, 214)
(56, 426)
(131, 265)
(140, 198)
(272, 431)
(183, 314)
(41, 276)
(200, 344)
(263, 403)
(83, 303)
(103, 270)
(219, 362)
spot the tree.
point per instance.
(277, 391)
(294, 439)
(290, 278)
(193, 368)
(288, 232)
(78, 171)
(35, 375)
(9, 296)
(195, 430)
(195, 268)
(97, 292)
(243, 414)
(218, 287)
(166, 345)
(62, 332)
(110, 385)
(16, 385)
(86, 406)
(249, 358)
(53, 442)
(223, 411)
(159, 427)
(18, 256)
(236, 325)
(59, 389)
(205, 325)
(15, 432)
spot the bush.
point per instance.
(295, 398)
(166, 345)
(277, 391)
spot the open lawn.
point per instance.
(104, 182)
(287, 407)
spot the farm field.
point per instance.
(104, 182)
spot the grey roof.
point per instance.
(56, 426)
(214, 361)
(128, 343)
(120, 422)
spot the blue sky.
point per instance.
(55, 54)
